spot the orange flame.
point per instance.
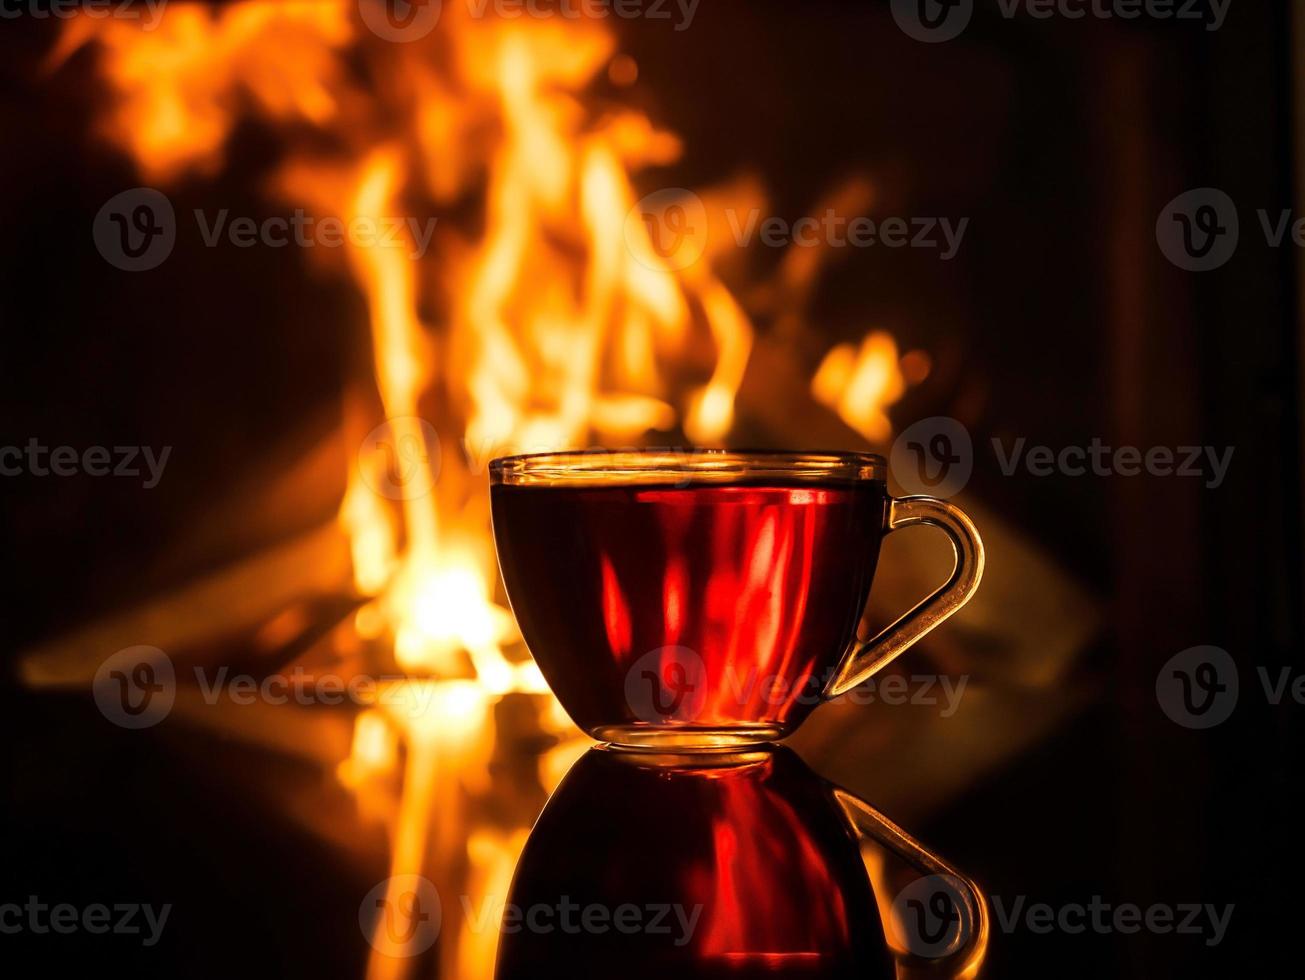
(860, 384)
(554, 319)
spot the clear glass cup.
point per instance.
(707, 598)
(730, 864)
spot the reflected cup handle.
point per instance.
(937, 920)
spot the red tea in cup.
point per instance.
(710, 600)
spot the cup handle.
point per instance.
(960, 958)
(871, 656)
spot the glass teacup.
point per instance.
(707, 598)
(730, 864)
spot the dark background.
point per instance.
(1059, 322)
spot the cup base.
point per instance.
(687, 738)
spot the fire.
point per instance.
(556, 315)
(859, 384)
(181, 86)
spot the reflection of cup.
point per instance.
(708, 599)
(740, 864)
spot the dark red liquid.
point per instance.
(756, 860)
(702, 606)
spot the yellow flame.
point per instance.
(493, 856)
(860, 384)
(375, 749)
(549, 321)
(182, 84)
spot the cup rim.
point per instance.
(616, 467)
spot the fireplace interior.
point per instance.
(266, 549)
